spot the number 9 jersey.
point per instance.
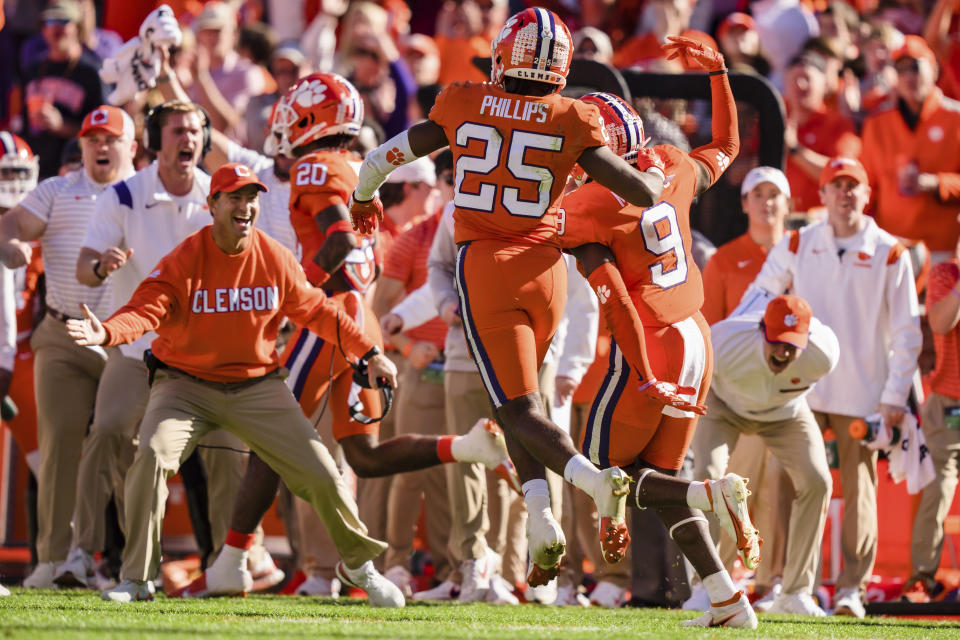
(512, 154)
(652, 245)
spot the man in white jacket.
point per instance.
(859, 281)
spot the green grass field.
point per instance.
(68, 615)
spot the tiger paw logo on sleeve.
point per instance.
(603, 292)
(395, 157)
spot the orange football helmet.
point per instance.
(318, 105)
(19, 169)
(532, 45)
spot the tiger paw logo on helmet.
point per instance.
(395, 157)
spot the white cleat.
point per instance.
(77, 572)
(320, 587)
(611, 500)
(570, 596)
(380, 591)
(501, 592)
(847, 602)
(738, 613)
(729, 497)
(699, 599)
(130, 591)
(544, 593)
(443, 592)
(401, 577)
(222, 578)
(546, 545)
(608, 595)
(477, 575)
(265, 574)
(41, 577)
(798, 603)
(484, 443)
(763, 604)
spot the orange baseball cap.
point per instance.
(735, 19)
(916, 47)
(233, 176)
(108, 119)
(787, 319)
(843, 167)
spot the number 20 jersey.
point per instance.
(652, 245)
(512, 154)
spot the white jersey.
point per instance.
(744, 381)
(66, 205)
(139, 214)
(274, 219)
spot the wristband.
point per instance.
(407, 349)
(646, 385)
(718, 72)
(96, 271)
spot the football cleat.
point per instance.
(797, 603)
(477, 576)
(569, 596)
(545, 544)
(401, 577)
(41, 577)
(77, 572)
(130, 591)
(847, 602)
(532, 45)
(735, 612)
(222, 578)
(380, 591)
(544, 593)
(484, 443)
(729, 498)
(611, 500)
(320, 587)
(443, 592)
(608, 595)
(501, 592)
(265, 574)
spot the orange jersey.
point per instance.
(512, 154)
(320, 180)
(217, 315)
(652, 246)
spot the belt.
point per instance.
(220, 386)
(57, 315)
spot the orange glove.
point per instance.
(649, 160)
(670, 394)
(694, 54)
(365, 216)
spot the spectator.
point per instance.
(61, 88)
(463, 32)
(940, 33)
(941, 426)
(592, 44)
(740, 44)
(383, 80)
(872, 307)
(879, 82)
(910, 154)
(422, 56)
(287, 65)
(102, 42)
(660, 18)
(406, 195)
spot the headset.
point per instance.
(362, 379)
(151, 128)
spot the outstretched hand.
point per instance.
(365, 216)
(693, 54)
(87, 332)
(671, 395)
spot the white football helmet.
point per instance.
(19, 169)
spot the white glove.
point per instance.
(161, 28)
(133, 68)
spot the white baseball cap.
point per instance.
(760, 175)
(420, 170)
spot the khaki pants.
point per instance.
(65, 383)
(858, 484)
(798, 445)
(944, 445)
(266, 416)
(420, 409)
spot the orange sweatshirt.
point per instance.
(217, 315)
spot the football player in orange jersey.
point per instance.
(315, 122)
(639, 262)
(514, 141)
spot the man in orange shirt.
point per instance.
(216, 303)
(511, 167)
(910, 154)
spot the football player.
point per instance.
(514, 141)
(639, 262)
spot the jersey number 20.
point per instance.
(485, 198)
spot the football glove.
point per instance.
(365, 216)
(694, 54)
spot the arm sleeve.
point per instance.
(721, 151)
(580, 344)
(417, 308)
(378, 164)
(905, 336)
(8, 320)
(105, 228)
(442, 263)
(774, 279)
(621, 317)
(40, 201)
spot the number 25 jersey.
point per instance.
(512, 154)
(652, 245)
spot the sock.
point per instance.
(720, 587)
(581, 473)
(239, 540)
(445, 448)
(699, 496)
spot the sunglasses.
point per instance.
(56, 22)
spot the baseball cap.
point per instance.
(108, 119)
(289, 53)
(916, 47)
(787, 319)
(233, 176)
(422, 44)
(215, 15)
(599, 39)
(759, 175)
(68, 10)
(420, 170)
(735, 19)
(843, 167)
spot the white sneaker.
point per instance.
(130, 591)
(501, 592)
(484, 443)
(699, 599)
(401, 577)
(76, 572)
(320, 587)
(611, 500)
(763, 604)
(265, 574)
(41, 577)
(570, 596)
(847, 602)
(443, 592)
(799, 603)
(223, 578)
(4, 591)
(737, 614)
(545, 544)
(476, 576)
(729, 497)
(544, 593)
(608, 595)
(380, 591)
